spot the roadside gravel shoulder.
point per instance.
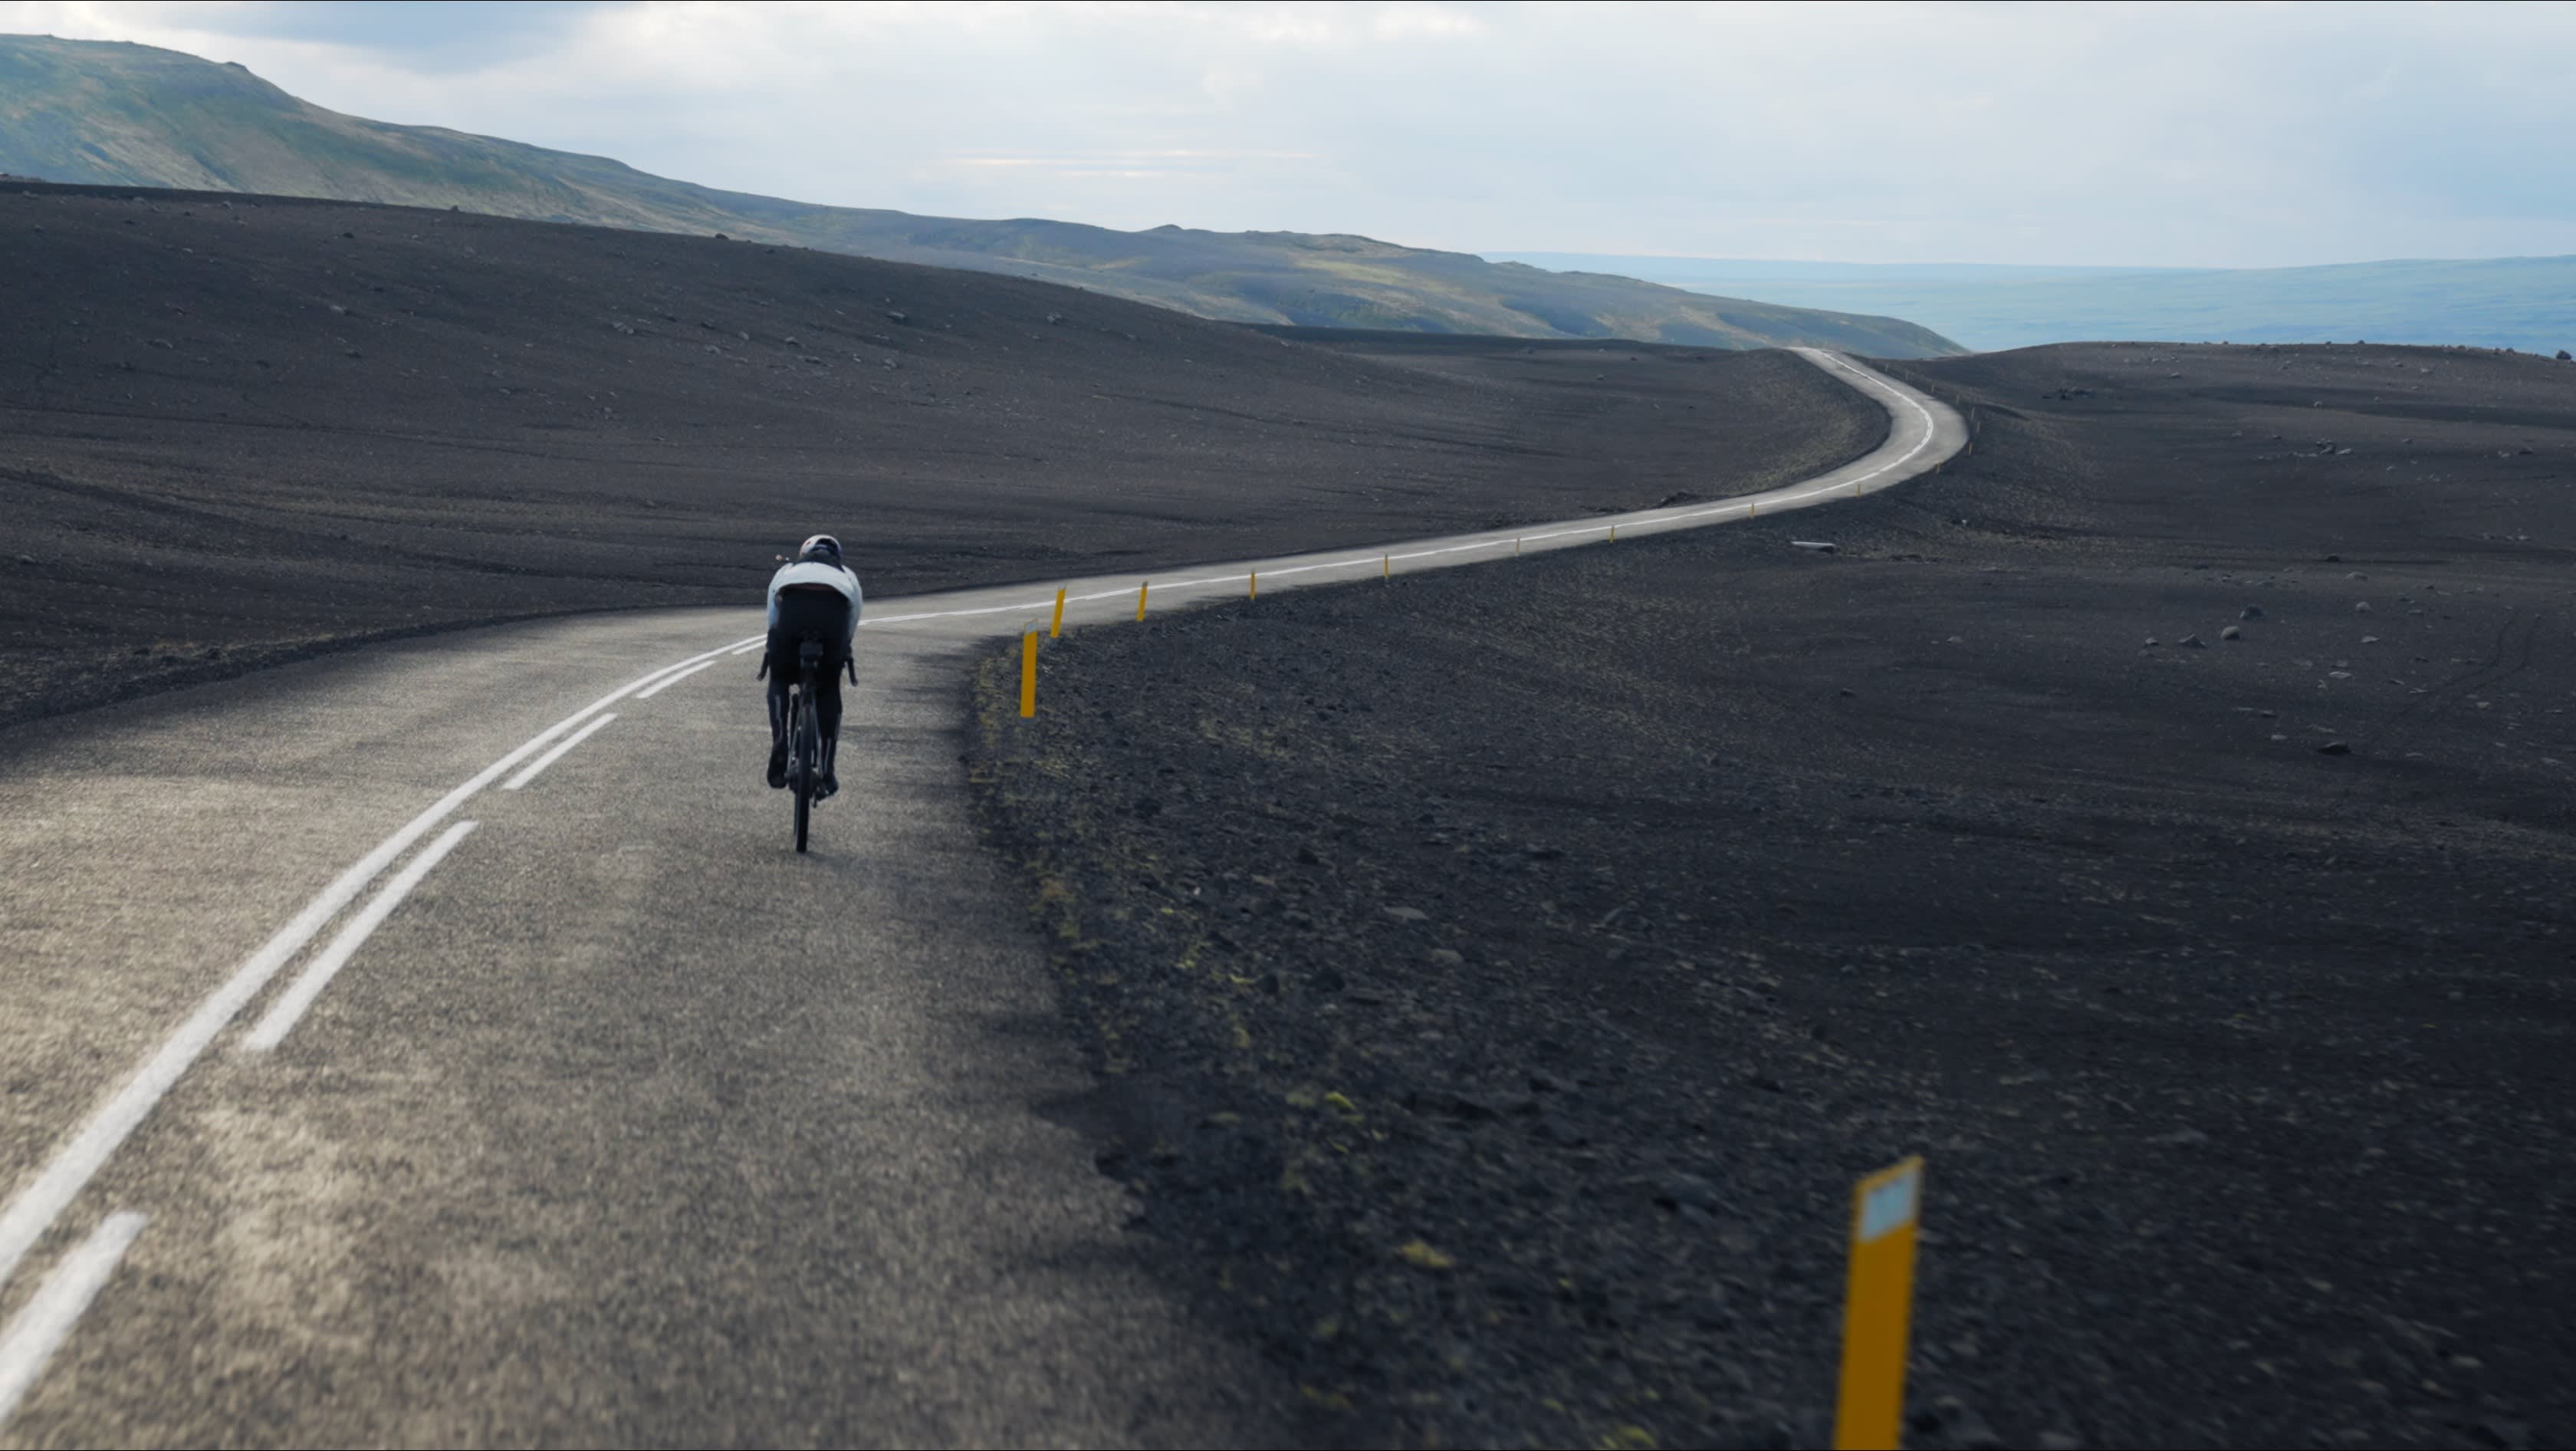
(1496, 979)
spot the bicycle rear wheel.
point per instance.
(801, 766)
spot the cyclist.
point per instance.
(812, 597)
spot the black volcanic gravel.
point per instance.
(1497, 979)
(237, 429)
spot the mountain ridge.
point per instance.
(121, 114)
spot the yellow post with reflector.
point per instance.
(1055, 627)
(1252, 585)
(1878, 1308)
(1614, 533)
(1386, 569)
(1029, 675)
(1141, 586)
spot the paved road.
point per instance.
(575, 1108)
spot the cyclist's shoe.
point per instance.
(829, 787)
(778, 766)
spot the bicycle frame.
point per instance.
(804, 737)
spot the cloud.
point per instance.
(2146, 134)
(415, 36)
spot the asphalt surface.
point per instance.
(627, 1125)
(237, 432)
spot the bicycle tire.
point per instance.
(801, 766)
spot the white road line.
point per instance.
(38, 1330)
(43, 1200)
(988, 610)
(566, 744)
(747, 648)
(1747, 506)
(283, 1015)
(674, 678)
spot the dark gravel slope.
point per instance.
(1497, 979)
(236, 429)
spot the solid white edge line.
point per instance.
(39, 1329)
(283, 1014)
(565, 745)
(1745, 506)
(674, 678)
(45, 1197)
(43, 1200)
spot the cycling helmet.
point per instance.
(822, 548)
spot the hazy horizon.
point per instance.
(2133, 137)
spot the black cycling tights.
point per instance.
(827, 703)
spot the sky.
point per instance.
(2099, 134)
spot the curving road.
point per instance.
(397, 1053)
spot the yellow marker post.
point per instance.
(1751, 509)
(1252, 585)
(1614, 533)
(1140, 599)
(1878, 1308)
(1029, 674)
(1516, 549)
(1055, 627)
(1386, 568)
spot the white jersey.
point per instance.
(811, 572)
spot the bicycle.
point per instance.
(805, 734)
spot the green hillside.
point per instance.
(129, 115)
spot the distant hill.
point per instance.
(129, 115)
(2528, 303)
